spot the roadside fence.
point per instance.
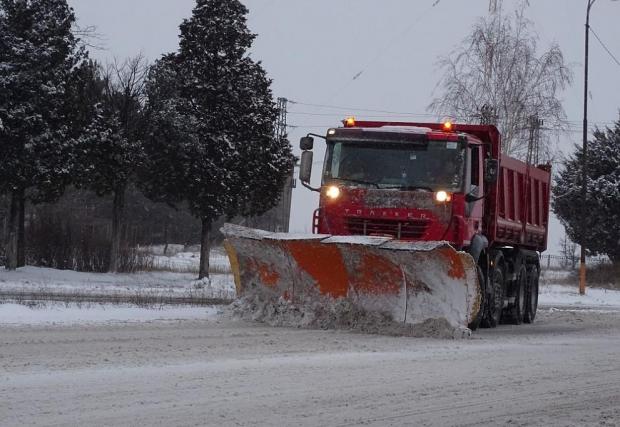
(561, 262)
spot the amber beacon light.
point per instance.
(349, 122)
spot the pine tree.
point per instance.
(169, 136)
(38, 61)
(110, 151)
(217, 122)
(603, 200)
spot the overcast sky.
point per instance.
(312, 49)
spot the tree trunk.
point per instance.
(117, 219)
(21, 231)
(204, 249)
(11, 242)
(166, 237)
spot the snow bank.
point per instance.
(171, 250)
(190, 261)
(14, 314)
(338, 314)
(35, 279)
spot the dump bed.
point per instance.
(519, 207)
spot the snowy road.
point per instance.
(563, 370)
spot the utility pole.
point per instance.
(533, 147)
(287, 191)
(495, 15)
(281, 123)
(490, 49)
(584, 166)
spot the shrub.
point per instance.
(59, 243)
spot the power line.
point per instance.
(570, 126)
(386, 48)
(604, 46)
(574, 130)
(377, 116)
(350, 109)
(297, 126)
(306, 113)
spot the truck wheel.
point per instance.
(495, 305)
(518, 308)
(476, 321)
(531, 299)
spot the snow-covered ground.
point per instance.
(158, 283)
(557, 289)
(183, 261)
(568, 296)
(92, 364)
(70, 314)
(560, 371)
(162, 283)
(32, 280)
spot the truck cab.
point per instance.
(406, 182)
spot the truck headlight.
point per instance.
(443, 196)
(332, 192)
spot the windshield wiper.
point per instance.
(409, 187)
(357, 181)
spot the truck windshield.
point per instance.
(438, 165)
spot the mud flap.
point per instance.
(410, 281)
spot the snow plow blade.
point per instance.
(410, 281)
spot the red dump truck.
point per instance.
(419, 220)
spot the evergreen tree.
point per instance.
(110, 151)
(170, 134)
(603, 202)
(215, 122)
(39, 58)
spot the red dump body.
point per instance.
(520, 207)
(514, 210)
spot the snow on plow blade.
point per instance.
(410, 281)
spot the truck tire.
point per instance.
(531, 296)
(517, 310)
(475, 323)
(495, 305)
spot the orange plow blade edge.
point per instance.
(410, 281)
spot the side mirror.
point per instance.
(491, 170)
(306, 143)
(471, 197)
(305, 167)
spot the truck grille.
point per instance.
(411, 229)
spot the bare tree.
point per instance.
(112, 150)
(496, 75)
(88, 37)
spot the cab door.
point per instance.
(474, 189)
